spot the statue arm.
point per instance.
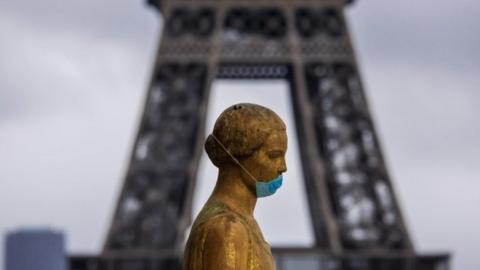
(226, 246)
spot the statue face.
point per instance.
(268, 162)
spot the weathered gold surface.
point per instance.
(225, 234)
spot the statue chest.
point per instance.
(261, 255)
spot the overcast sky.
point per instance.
(73, 75)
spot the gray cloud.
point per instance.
(429, 33)
(48, 67)
(123, 21)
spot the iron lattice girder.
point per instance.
(158, 3)
(352, 203)
(285, 258)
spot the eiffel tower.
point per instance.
(357, 222)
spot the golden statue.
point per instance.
(248, 145)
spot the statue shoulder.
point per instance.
(227, 243)
(220, 239)
(227, 223)
(218, 215)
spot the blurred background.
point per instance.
(74, 75)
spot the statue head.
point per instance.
(255, 136)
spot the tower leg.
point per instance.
(154, 207)
(324, 226)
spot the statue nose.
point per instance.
(283, 166)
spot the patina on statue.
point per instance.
(248, 146)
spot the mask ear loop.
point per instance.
(232, 157)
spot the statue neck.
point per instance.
(232, 191)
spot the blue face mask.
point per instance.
(262, 189)
(265, 189)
